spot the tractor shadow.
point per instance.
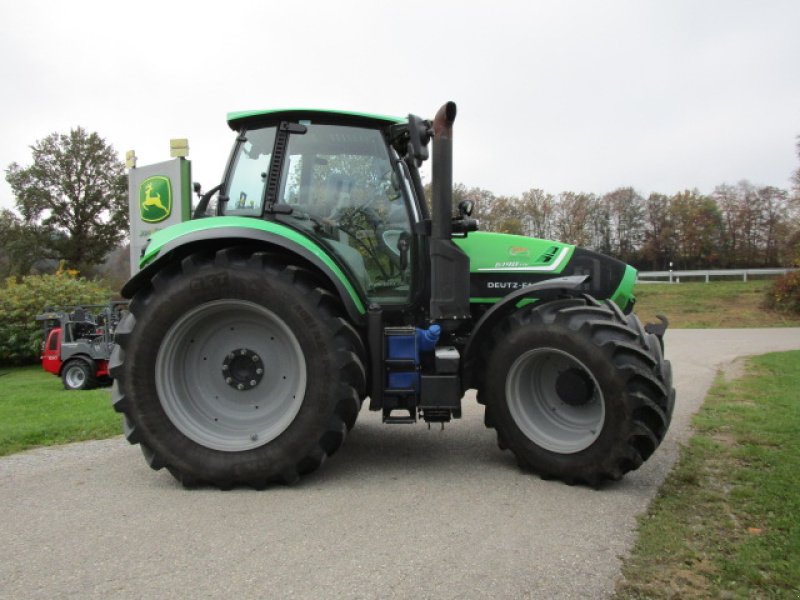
(375, 451)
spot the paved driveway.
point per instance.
(400, 512)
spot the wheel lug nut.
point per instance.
(259, 371)
(255, 357)
(243, 352)
(224, 367)
(231, 356)
(240, 387)
(253, 382)
(228, 380)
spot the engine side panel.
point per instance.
(501, 264)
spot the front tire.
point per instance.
(78, 374)
(577, 390)
(236, 368)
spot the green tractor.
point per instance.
(323, 277)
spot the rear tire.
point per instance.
(77, 374)
(235, 367)
(577, 390)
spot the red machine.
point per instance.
(78, 343)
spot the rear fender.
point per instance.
(544, 290)
(185, 244)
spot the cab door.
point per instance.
(345, 192)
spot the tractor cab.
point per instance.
(336, 179)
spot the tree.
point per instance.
(537, 210)
(792, 249)
(750, 211)
(76, 191)
(20, 245)
(574, 218)
(504, 216)
(658, 249)
(774, 227)
(728, 200)
(697, 223)
(625, 210)
(757, 223)
(796, 175)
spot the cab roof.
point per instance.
(246, 117)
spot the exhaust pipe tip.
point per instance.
(443, 121)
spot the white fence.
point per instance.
(676, 276)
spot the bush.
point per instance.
(784, 293)
(20, 334)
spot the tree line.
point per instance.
(736, 226)
(72, 207)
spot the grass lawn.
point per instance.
(718, 304)
(726, 524)
(36, 410)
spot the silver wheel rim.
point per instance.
(195, 362)
(75, 377)
(541, 413)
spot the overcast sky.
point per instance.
(581, 96)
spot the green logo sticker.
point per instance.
(155, 199)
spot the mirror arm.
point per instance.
(201, 207)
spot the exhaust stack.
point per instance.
(449, 265)
(442, 171)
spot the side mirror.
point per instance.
(197, 188)
(419, 131)
(462, 224)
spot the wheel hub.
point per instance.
(242, 369)
(574, 387)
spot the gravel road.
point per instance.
(399, 512)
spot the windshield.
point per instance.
(245, 191)
(341, 186)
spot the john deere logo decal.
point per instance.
(155, 199)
